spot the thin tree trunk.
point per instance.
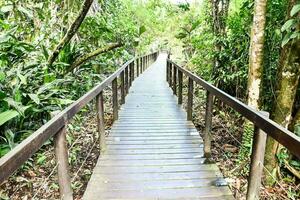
(79, 61)
(71, 31)
(255, 69)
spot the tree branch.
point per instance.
(71, 31)
(88, 56)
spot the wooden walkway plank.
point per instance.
(152, 151)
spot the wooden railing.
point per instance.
(57, 126)
(263, 125)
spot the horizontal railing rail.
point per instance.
(260, 120)
(56, 127)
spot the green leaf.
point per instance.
(22, 78)
(26, 11)
(286, 39)
(7, 115)
(2, 76)
(287, 25)
(295, 10)
(34, 98)
(142, 30)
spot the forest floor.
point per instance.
(226, 141)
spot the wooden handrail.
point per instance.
(22, 152)
(276, 131)
(263, 125)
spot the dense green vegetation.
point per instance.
(212, 38)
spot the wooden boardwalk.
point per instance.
(153, 152)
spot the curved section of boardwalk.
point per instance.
(153, 152)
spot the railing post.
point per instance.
(141, 64)
(208, 123)
(115, 98)
(100, 121)
(122, 87)
(174, 80)
(190, 100)
(61, 153)
(257, 162)
(179, 87)
(137, 67)
(167, 71)
(170, 75)
(126, 80)
(129, 75)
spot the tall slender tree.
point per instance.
(255, 68)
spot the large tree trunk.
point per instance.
(255, 69)
(285, 97)
(71, 31)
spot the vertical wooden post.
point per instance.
(170, 75)
(137, 67)
(129, 75)
(141, 65)
(167, 71)
(190, 100)
(208, 123)
(61, 153)
(174, 80)
(100, 121)
(115, 98)
(179, 87)
(126, 80)
(122, 87)
(257, 162)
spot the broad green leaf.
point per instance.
(22, 78)
(288, 25)
(26, 11)
(295, 10)
(286, 39)
(7, 115)
(34, 98)
(142, 30)
(2, 76)
(65, 101)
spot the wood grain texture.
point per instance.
(153, 152)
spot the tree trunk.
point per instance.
(255, 69)
(288, 82)
(88, 56)
(71, 31)
(285, 98)
(219, 16)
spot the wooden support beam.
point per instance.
(170, 75)
(126, 80)
(190, 100)
(100, 121)
(174, 80)
(61, 153)
(122, 76)
(167, 72)
(137, 67)
(180, 87)
(257, 162)
(115, 98)
(208, 124)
